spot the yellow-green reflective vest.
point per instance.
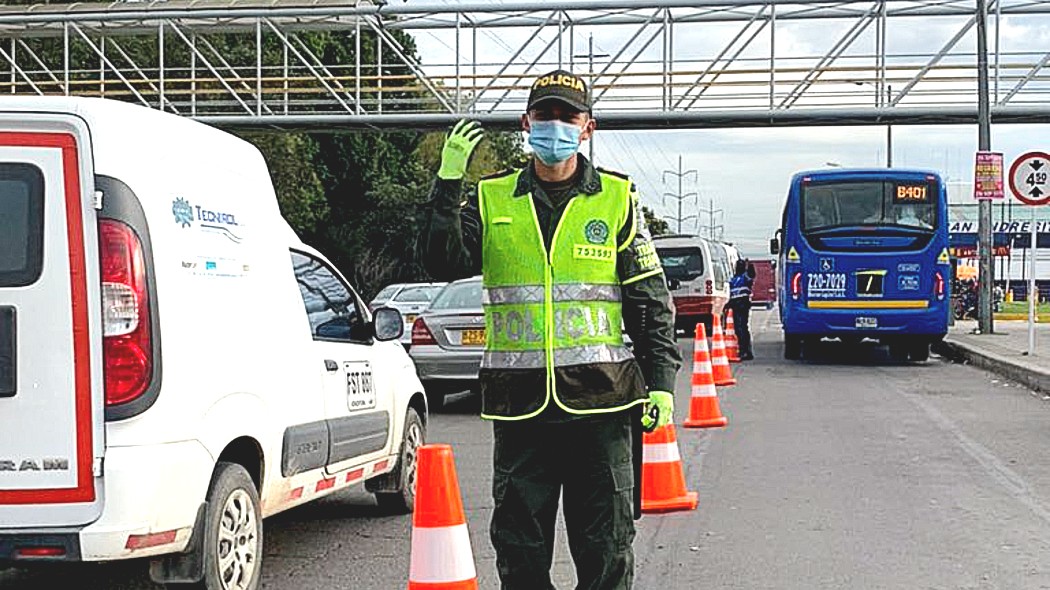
(557, 312)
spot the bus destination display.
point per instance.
(911, 193)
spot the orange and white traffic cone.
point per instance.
(703, 404)
(732, 344)
(719, 361)
(663, 481)
(441, 555)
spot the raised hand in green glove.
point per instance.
(663, 403)
(459, 144)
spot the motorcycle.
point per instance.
(965, 304)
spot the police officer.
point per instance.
(566, 262)
(740, 287)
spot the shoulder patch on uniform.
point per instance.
(616, 173)
(500, 174)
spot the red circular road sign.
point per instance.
(1030, 178)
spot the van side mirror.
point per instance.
(387, 324)
(674, 284)
(774, 246)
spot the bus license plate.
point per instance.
(473, 338)
(865, 322)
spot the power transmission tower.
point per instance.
(680, 196)
(711, 226)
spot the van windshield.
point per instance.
(682, 264)
(21, 224)
(830, 205)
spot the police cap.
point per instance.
(563, 86)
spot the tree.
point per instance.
(657, 225)
(300, 193)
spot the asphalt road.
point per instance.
(843, 472)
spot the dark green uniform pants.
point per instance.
(588, 461)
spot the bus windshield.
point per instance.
(836, 204)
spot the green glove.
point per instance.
(459, 144)
(663, 403)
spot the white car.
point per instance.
(411, 299)
(175, 364)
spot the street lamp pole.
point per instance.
(889, 126)
(984, 143)
(889, 130)
(590, 75)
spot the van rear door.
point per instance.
(51, 408)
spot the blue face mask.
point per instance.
(554, 141)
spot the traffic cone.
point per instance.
(441, 555)
(703, 404)
(732, 344)
(663, 482)
(719, 361)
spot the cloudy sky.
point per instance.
(746, 171)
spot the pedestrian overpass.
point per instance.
(653, 63)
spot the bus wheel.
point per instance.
(792, 347)
(920, 352)
(898, 352)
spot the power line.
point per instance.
(680, 196)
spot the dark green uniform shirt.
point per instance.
(451, 249)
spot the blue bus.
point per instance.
(864, 254)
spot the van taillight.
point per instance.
(127, 351)
(796, 285)
(938, 285)
(421, 333)
(710, 287)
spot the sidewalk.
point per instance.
(1003, 351)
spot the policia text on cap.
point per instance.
(567, 264)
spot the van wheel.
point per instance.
(402, 480)
(792, 347)
(233, 535)
(920, 352)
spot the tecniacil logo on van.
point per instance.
(185, 214)
(208, 220)
(182, 211)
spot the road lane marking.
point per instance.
(1011, 481)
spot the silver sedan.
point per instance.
(448, 340)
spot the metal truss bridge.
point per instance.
(653, 63)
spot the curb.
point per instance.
(994, 363)
(1022, 317)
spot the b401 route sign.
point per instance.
(1030, 178)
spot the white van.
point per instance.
(175, 364)
(698, 274)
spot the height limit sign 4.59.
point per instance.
(1030, 178)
